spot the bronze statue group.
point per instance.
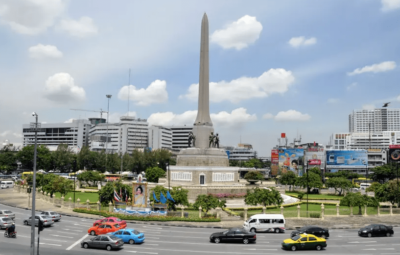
(213, 140)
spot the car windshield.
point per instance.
(295, 238)
(118, 220)
(53, 213)
(225, 232)
(114, 237)
(8, 211)
(136, 232)
(116, 225)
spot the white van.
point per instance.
(364, 186)
(6, 184)
(265, 222)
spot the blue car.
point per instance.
(129, 235)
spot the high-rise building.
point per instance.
(365, 140)
(129, 134)
(75, 134)
(180, 135)
(376, 120)
(160, 138)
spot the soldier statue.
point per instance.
(216, 141)
(191, 140)
(211, 139)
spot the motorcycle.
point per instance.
(12, 235)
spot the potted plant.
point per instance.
(253, 176)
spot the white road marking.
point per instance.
(143, 252)
(261, 249)
(51, 244)
(363, 242)
(70, 232)
(193, 251)
(55, 240)
(63, 236)
(77, 242)
(152, 227)
(152, 237)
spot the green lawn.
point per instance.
(313, 208)
(93, 197)
(315, 196)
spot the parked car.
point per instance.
(304, 242)
(110, 220)
(104, 228)
(7, 214)
(5, 222)
(47, 221)
(376, 230)
(55, 216)
(265, 222)
(312, 230)
(233, 235)
(129, 235)
(107, 242)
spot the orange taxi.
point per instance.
(104, 228)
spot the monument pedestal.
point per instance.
(202, 134)
(202, 157)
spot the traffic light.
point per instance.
(40, 225)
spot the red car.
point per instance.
(110, 220)
(104, 228)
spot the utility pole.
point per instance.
(108, 114)
(307, 186)
(35, 127)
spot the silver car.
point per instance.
(7, 214)
(103, 241)
(51, 214)
(5, 222)
(47, 221)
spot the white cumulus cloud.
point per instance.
(375, 68)
(302, 41)
(398, 98)
(236, 118)
(155, 93)
(292, 115)
(84, 27)
(268, 116)
(352, 86)
(30, 17)
(389, 5)
(61, 88)
(239, 34)
(170, 118)
(41, 51)
(270, 82)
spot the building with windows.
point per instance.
(375, 140)
(376, 120)
(160, 138)
(243, 152)
(180, 135)
(125, 136)
(75, 134)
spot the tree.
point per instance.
(253, 163)
(269, 196)
(288, 178)
(382, 173)
(62, 158)
(344, 173)
(179, 194)
(388, 192)
(254, 175)
(356, 199)
(46, 182)
(84, 159)
(8, 160)
(154, 173)
(374, 187)
(313, 180)
(208, 202)
(90, 176)
(62, 185)
(106, 194)
(315, 170)
(339, 184)
(43, 160)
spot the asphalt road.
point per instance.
(64, 237)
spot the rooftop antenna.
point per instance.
(129, 86)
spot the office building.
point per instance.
(375, 140)
(125, 136)
(243, 152)
(75, 134)
(376, 120)
(160, 138)
(180, 135)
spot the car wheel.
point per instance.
(253, 230)
(92, 233)
(108, 247)
(277, 230)
(388, 234)
(131, 241)
(25, 222)
(318, 247)
(245, 241)
(369, 234)
(293, 248)
(85, 245)
(217, 240)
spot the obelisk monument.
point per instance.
(203, 125)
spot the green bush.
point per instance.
(148, 218)
(315, 215)
(254, 175)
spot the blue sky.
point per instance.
(298, 67)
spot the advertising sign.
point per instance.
(345, 159)
(314, 162)
(316, 155)
(394, 146)
(291, 160)
(394, 154)
(274, 157)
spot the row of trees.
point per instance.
(251, 163)
(52, 183)
(65, 160)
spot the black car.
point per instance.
(376, 230)
(313, 230)
(233, 235)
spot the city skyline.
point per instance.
(287, 68)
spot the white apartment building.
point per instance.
(377, 120)
(129, 134)
(365, 140)
(243, 152)
(75, 134)
(180, 136)
(160, 138)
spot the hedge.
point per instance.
(267, 207)
(148, 218)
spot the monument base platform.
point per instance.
(204, 175)
(202, 157)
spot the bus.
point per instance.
(112, 177)
(25, 174)
(363, 180)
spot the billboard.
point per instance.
(345, 159)
(274, 162)
(316, 155)
(394, 153)
(291, 160)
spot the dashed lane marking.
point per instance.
(50, 244)
(77, 242)
(63, 236)
(146, 252)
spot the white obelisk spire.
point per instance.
(203, 125)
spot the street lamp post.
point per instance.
(308, 161)
(35, 127)
(169, 176)
(108, 114)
